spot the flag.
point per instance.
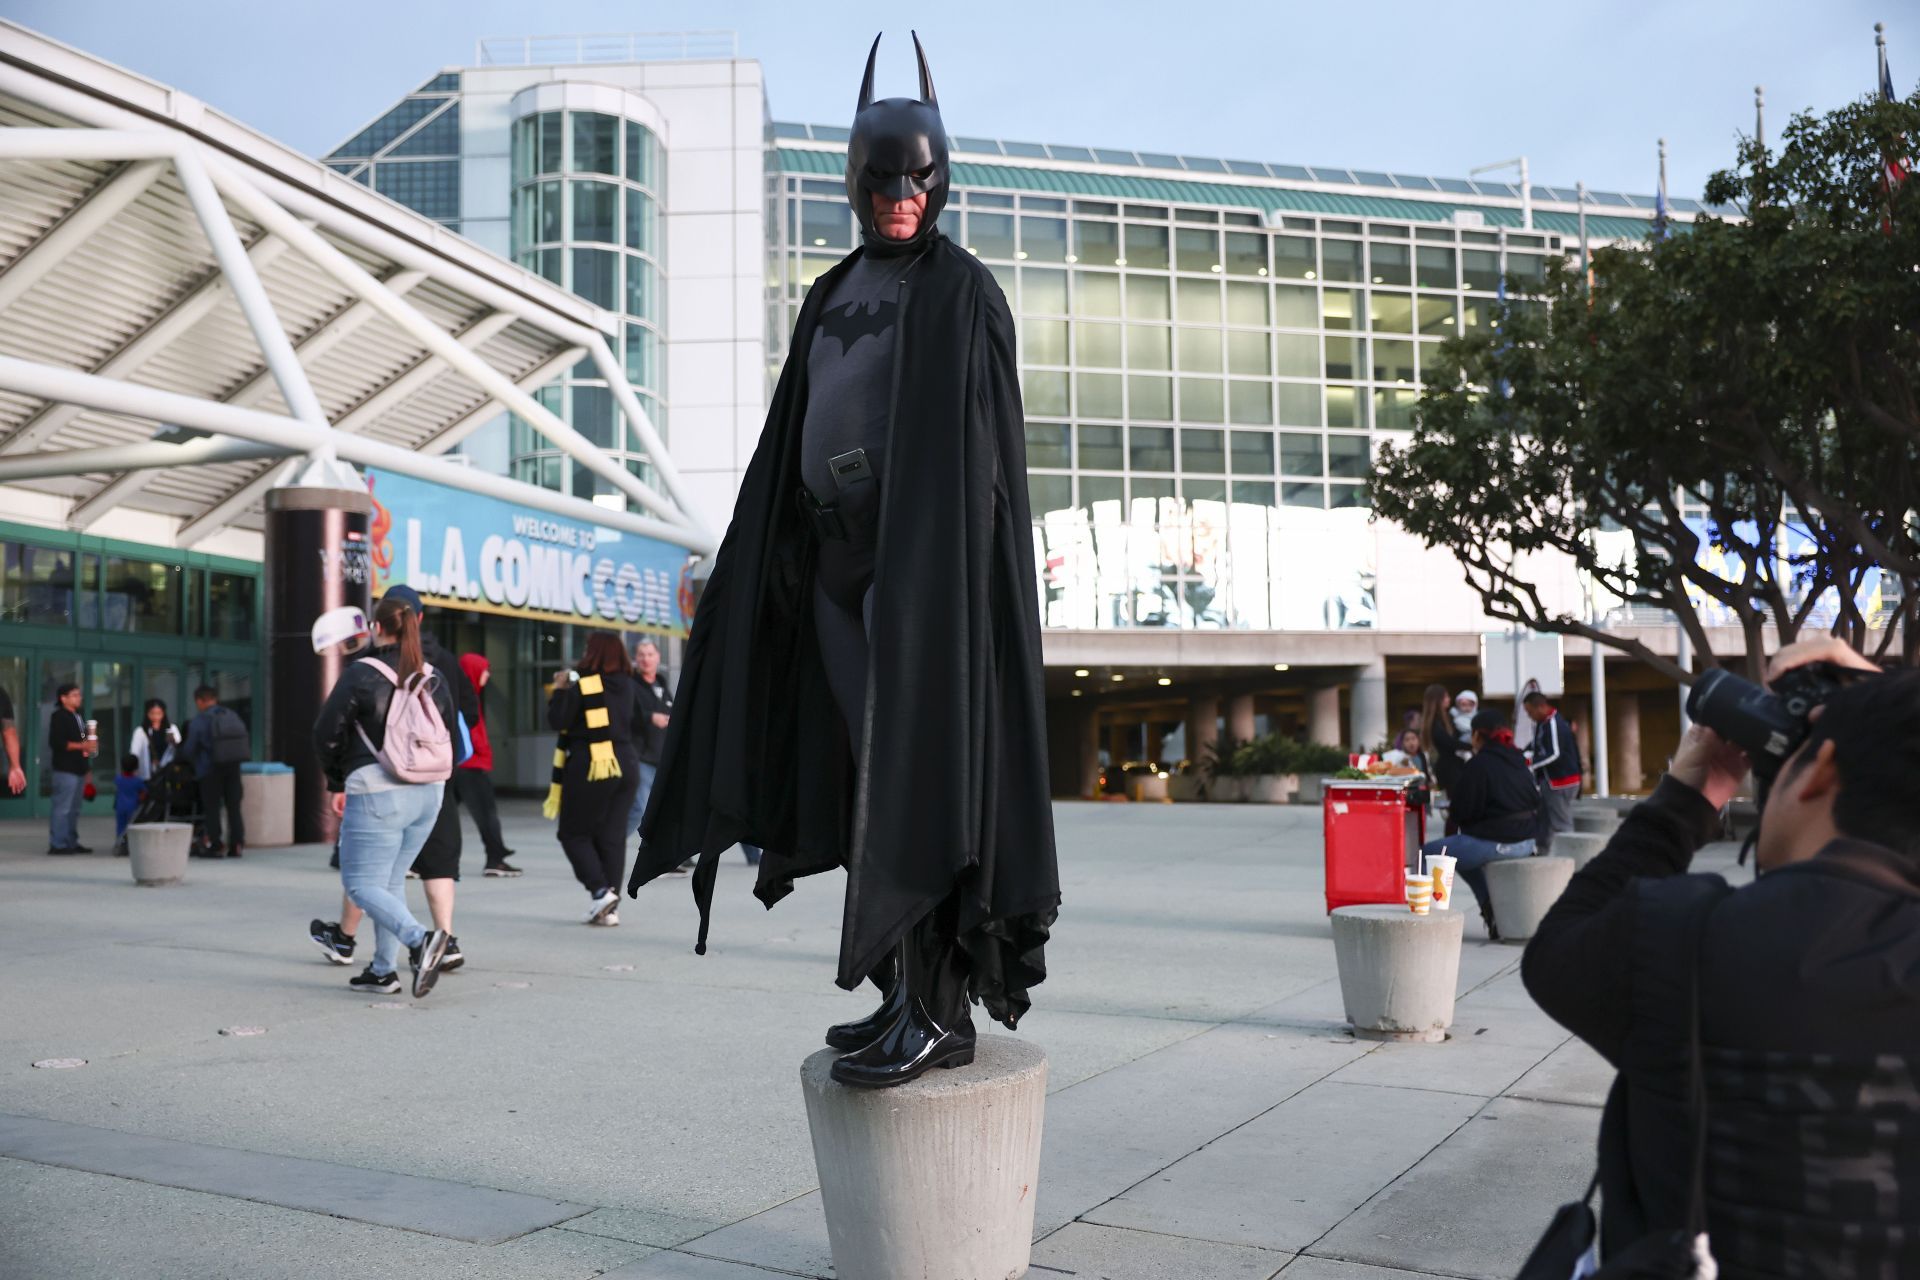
(1660, 197)
(1896, 166)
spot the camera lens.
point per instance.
(1748, 716)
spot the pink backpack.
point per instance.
(418, 747)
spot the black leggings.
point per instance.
(593, 826)
(842, 622)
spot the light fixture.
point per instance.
(1073, 257)
(1378, 280)
(1263, 271)
(1281, 666)
(1163, 773)
(1118, 677)
(1308, 276)
(1165, 681)
(975, 252)
(1082, 672)
(819, 239)
(1021, 255)
(1077, 692)
(1215, 268)
(1119, 262)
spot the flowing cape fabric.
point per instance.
(952, 792)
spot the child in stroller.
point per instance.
(172, 795)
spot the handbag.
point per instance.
(1569, 1249)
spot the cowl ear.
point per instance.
(926, 76)
(866, 85)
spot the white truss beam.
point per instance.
(95, 210)
(131, 458)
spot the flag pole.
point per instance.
(1760, 114)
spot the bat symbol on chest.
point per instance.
(854, 321)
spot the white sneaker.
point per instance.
(610, 919)
(602, 907)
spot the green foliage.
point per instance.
(1269, 755)
(1763, 371)
(1220, 758)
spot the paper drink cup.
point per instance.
(1440, 867)
(1420, 893)
(93, 728)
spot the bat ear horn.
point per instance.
(866, 85)
(926, 77)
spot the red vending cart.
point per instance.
(1374, 830)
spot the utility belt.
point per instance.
(828, 523)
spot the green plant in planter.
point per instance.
(1220, 758)
(1312, 757)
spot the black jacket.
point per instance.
(651, 698)
(951, 798)
(1554, 752)
(1445, 756)
(360, 700)
(466, 699)
(1810, 1017)
(1495, 798)
(566, 714)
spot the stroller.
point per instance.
(173, 795)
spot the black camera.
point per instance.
(1769, 725)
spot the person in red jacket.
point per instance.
(473, 780)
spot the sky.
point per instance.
(1583, 90)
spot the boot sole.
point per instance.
(957, 1058)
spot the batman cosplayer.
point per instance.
(862, 684)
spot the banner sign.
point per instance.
(467, 551)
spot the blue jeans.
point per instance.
(380, 835)
(639, 810)
(1473, 854)
(63, 826)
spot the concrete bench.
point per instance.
(936, 1177)
(1522, 890)
(1596, 819)
(1398, 971)
(1581, 846)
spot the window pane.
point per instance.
(1199, 350)
(194, 601)
(1199, 301)
(825, 226)
(1528, 268)
(1392, 361)
(1151, 487)
(1049, 444)
(1043, 239)
(1250, 402)
(1340, 259)
(1343, 356)
(1252, 453)
(1043, 392)
(1099, 395)
(1146, 247)
(1196, 250)
(1393, 409)
(643, 289)
(547, 216)
(643, 353)
(230, 606)
(1340, 309)
(593, 415)
(1249, 353)
(1345, 408)
(143, 596)
(1347, 457)
(1101, 489)
(1257, 493)
(1246, 254)
(1096, 244)
(1295, 307)
(642, 155)
(643, 222)
(1391, 312)
(1246, 303)
(522, 149)
(1148, 346)
(1480, 269)
(1100, 449)
(1098, 345)
(1347, 495)
(1293, 258)
(1202, 400)
(1477, 313)
(546, 157)
(1043, 291)
(1049, 493)
(1204, 451)
(1150, 448)
(1150, 398)
(596, 139)
(1298, 355)
(594, 206)
(1300, 456)
(1435, 268)
(1096, 293)
(1203, 490)
(1298, 494)
(1045, 340)
(1147, 298)
(990, 234)
(1436, 315)
(1391, 264)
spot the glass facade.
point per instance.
(587, 190)
(1204, 387)
(412, 153)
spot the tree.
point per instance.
(1739, 403)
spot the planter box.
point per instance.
(158, 851)
(1272, 788)
(1183, 786)
(1227, 790)
(1312, 789)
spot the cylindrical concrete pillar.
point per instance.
(315, 560)
(1240, 716)
(1398, 971)
(1203, 727)
(1120, 742)
(1629, 777)
(932, 1180)
(1581, 846)
(1090, 756)
(1323, 716)
(1367, 708)
(1522, 890)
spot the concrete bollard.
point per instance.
(1582, 846)
(932, 1180)
(157, 851)
(266, 806)
(1398, 970)
(1522, 890)
(1595, 819)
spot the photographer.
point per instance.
(1808, 992)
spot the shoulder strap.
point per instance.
(1696, 1070)
(393, 677)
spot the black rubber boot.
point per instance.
(933, 1029)
(848, 1036)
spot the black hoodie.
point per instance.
(1495, 798)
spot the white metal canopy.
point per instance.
(162, 266)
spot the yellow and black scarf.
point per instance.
(601, 761)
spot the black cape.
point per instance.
(952, 793)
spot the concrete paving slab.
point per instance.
(1572, 1074)
(641, 1226)
(668, 1265)
(789, 1237)
(1478, 1203)
(430, 1205)
(1482, 1063)
(1282, 1181)
(1310, 1268)
(1114, 1253)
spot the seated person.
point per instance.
(1497, 808)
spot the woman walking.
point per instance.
(596, 770)
(384, 819)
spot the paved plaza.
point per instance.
(579, 1102)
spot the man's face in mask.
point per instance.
(898, 219)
